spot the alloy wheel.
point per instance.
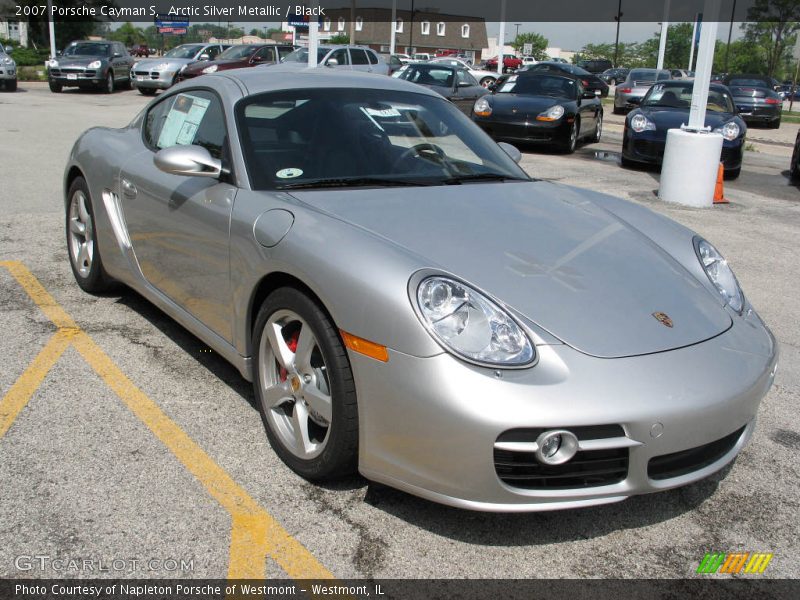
(81, 234)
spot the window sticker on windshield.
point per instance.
(182, 122)
(289, 173)
(383, 112)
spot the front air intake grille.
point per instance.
(588, 468)
(680, 463)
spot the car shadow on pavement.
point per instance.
(540, 528)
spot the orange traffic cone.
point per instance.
(719, 194)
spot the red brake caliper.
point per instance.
(291, 343)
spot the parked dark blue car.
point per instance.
(666, 106)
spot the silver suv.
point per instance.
(351, 58)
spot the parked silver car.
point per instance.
(8, 69)
(159, 73)
(482, 76)
(343, 58)
(409, 303)
(630, 92)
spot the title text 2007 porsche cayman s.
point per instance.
(410, 304)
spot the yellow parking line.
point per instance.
(255, 534)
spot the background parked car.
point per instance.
(345, 58)
(541, 108)
(483, 77)
(238, 57)
(510, 63)
(589, 81)
(756, 99)
(614, 76)
(422, 56)
(142, 50)
(100, 65)
(153, 74)
(528, 60)
(454, 83)
(666, 106)
(595, 65)
(681, 74)
(630, 92)
(8, 70)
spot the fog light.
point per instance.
(556, 447)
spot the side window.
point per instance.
(373, 58)
(193, 117)
(119, 49)
(212, 52)
(284, 50)
(464, 77)
(358, 56)
(266, 54)
(341, 56)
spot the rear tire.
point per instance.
(288, 390)
(732, 174)
(486, 82)
(618, 111)
(84, 253)
(598, 132)
(55, 87)
(626, 162)
(775, 124)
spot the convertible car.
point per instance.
(665, 107)
(541, 107)
(408, 303)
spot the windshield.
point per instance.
(747, 82)
(88, 49)
(429, 74)
(301, 55)
(679, 96)
(648, 75)
(309, 138)
(559, 87)
(184, 51)
(237, 52)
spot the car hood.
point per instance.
(220, 64)
(670, 118)
(151, 63)
(517, 105)
(547, 251)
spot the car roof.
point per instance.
(257, 81)
(688, 83)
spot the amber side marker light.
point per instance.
(365, 347)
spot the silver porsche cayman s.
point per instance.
(408, 303)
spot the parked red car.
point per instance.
(237, 57)
(142, 51)
(510, 63)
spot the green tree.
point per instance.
(128, 34)
(339, 38)
(772, 25)
(537, 40)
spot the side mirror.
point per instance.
(9, 49)
(512, 151)
(464, 84)
(204, 56)
(116, 55)
(191, 161)
(331, 62)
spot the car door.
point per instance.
(467, 90)
(121, 62)
(178, 225)
(588, 109)
(265, 55)
(359, 60)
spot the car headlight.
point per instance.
(640, 123)
(210, 69)
(730, 131)
(470, 325)
(482, 108)
(554, 113)
(133, 68)
(94, 64)
(183, 67)
(53, 63)
(720, 274)
(7, 60)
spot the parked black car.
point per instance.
(455, 84)
(756, 99)
(589, 82)
(100, 65)
(541, 107)
(614, 76)
(595, 65)
(666, 106)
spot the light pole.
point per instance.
(617, 18)
(516, 33)
(662, 39)
(730, 32)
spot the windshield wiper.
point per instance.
(459, 179)
(353, 182)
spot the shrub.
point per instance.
(30, 57)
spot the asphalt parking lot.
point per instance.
(124, 438)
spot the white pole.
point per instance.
(501, 38)
(705, 64)
(691, 51)
(313, 36)
(52, 29)
(392, 27)
(662, 39)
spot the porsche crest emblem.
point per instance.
(663, 318)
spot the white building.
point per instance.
(16, 31)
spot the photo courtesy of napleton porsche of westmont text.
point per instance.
(400, 299)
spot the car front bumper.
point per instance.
(648, 147)
(77, 77)
(8, 73)
(430, 426)
(525, 131)
(154, 80)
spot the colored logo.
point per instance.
(663, 318)
(734, 563)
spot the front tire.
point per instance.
(109, 86)
(146, 91)
(304, 387)
(598, 131)
(55, 87)
(571, 142)
(84, 254)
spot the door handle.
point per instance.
(128, 189)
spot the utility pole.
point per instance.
(411, 30)
(52, 29)
(617, 18)
(516, 33)
(393, 28)
(352, 21)
(662, 39)
(730, 32)
(501, 38)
